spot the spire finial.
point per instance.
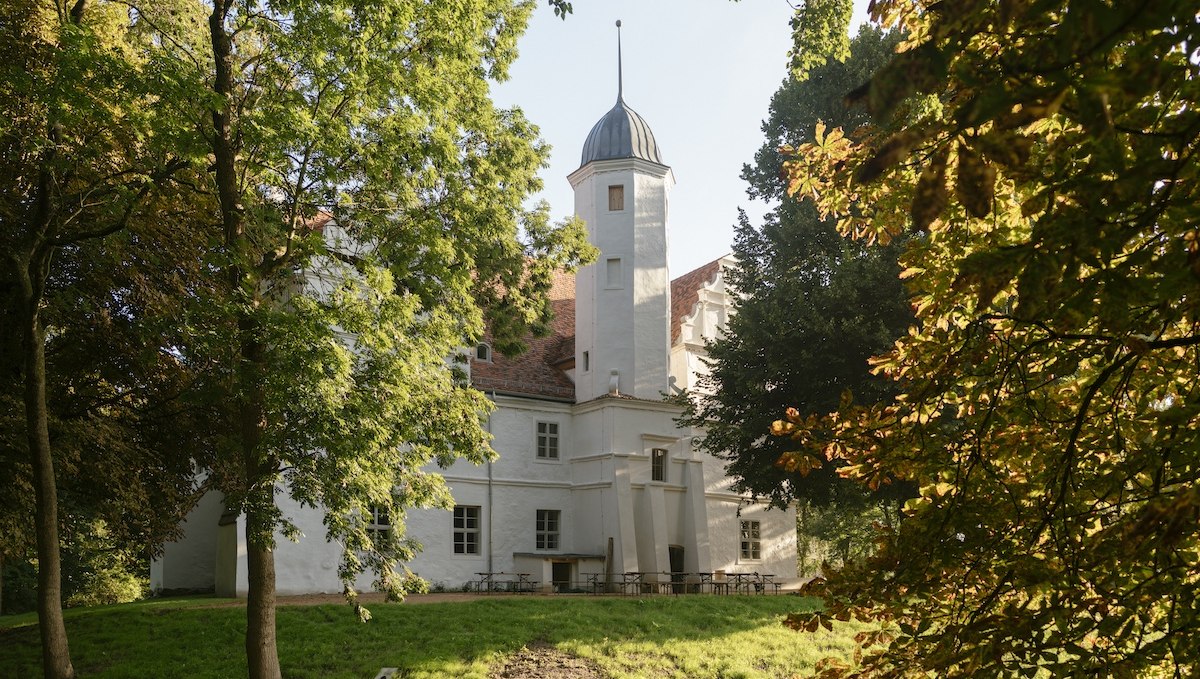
(620, 78)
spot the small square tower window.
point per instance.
(616, 198)
(483, 353)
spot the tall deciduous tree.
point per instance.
(811, 307)
(371, 210)
(1050, 406)
(85, 154)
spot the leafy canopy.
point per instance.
(1049, 405)
(810, 306)
(372, 219)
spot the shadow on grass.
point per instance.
(673, 636)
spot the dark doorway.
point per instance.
(675, 554)
(560, 576)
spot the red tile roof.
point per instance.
(539, 371)
(685, 294)
(534, 373)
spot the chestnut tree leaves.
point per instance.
(1045, 167)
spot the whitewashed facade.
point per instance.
(593, 474)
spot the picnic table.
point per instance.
(741, 583)
(718, 582)
(501, 581)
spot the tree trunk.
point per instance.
(262, 657)
(56, 656)
(262, 654)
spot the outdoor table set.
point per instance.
(505, 582)
(652, 582)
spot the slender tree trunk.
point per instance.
(56, 655)
(262, 657)
(261, 649)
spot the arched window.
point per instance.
(483, 353)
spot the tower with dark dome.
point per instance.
(623, 304)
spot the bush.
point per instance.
(97, 571)
(836, 533)
(19, 589)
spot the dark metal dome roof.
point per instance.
(621, 133)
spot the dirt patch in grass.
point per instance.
(540, 660)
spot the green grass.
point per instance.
(691, 636)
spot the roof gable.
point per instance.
(540, 371)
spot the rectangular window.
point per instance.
(547, 528)
(612, 272)
(379, 521)
(547, 440)
(466, 529)
(658, 464)
(751, 541)
(587, 363)
(616, 198)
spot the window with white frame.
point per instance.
(751, 540)
(547, 440)
(379, 522)
(547, 528)
(658, 464)
(466, 529)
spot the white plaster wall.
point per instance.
(675, 508)
(190, 562)
(600, 487)
(651, 288)
(434, 528)
(309, 565)
(778, 536)
(230, 551)
(521, 483)
(514, 430)
(624, 327)
(594, 520)
(679, 366)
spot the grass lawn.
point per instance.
(662, 636)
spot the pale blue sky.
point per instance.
(700, 72)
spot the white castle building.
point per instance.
(594, 477)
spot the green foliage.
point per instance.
(1048, 411)
(181, 160)
(837, 533)
(98, 568)
(19, 586)
(819, 33)
(811, 309)
(371, 200)
(91, 420)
